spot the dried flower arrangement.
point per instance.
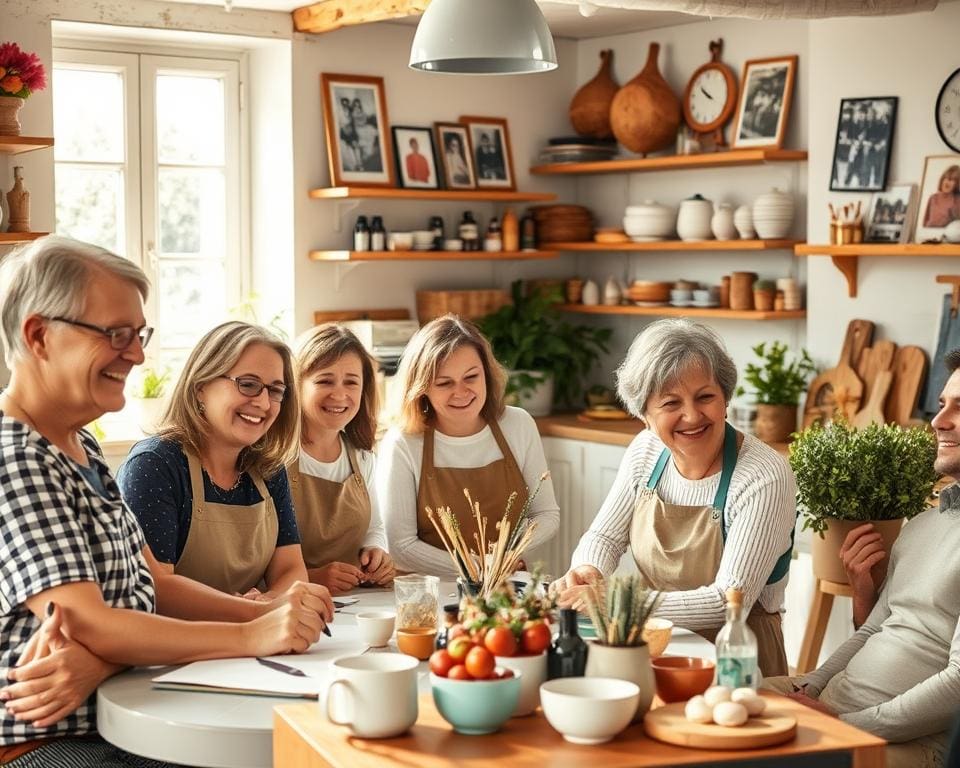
(620, 610)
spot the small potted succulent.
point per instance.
(776, 385)
(147, 399)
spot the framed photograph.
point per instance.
(765, 92)
(939, 196)
(453, 139)
(492, 158)
(891, 214)
(416, 157)
(355, 123)
(861, 153)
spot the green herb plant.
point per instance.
(882, 472)
(620, 610)
(774, 381)
(153, 384)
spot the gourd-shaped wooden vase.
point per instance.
(645, 113)
(590, 108)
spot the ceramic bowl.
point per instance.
(376, 627)
(678, 296)
(400, 241)
(453, 244)
(680, 677)
(589, 710)
(476, 707)
(702, 295)
(533, 671)
(422, 239)
(649, 221)
(656, 634)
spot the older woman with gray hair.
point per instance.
(701, 507)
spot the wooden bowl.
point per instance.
(649, 290)
(680, 677)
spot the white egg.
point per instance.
(717, 693)
(754, 703)
(730, 714)
(698, 711)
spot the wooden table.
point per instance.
(303, 738)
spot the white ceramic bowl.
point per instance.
(376, 627)
(589, 710)
(400, 241)
(422, 239)
(453, 244)
(533, 671)
(649, 221)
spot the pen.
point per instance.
(286, 669)
(326, 630)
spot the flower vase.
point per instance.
(10, 115)
(628, 662)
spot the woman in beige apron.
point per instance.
(210, 490)
(454, 434)
(341, 533)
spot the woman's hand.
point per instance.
(571, 588)
(377, 566)
(861, 550)
(295, 623)
(53, 676)
(337, 577)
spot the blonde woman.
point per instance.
(210, 490)
(341, 531)
(455, 432)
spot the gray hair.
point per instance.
(663, 352)
(51, 277)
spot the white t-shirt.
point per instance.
(398, 478)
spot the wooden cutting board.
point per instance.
(872, 412)
(873, 359)
(909, 370)
(840, 385)
(667, 723)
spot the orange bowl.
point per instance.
(680, 677)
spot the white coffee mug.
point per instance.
(378, 694)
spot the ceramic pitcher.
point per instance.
(722, 222)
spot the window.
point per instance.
(147, 164)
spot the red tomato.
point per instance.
(500, 641)
(459, 672)
(535, 638)
(479, 663)
(459, 647)
(441, 662)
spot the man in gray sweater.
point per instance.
(898, 677)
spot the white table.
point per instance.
(216, 730)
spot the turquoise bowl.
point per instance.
(475, 707)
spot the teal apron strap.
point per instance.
(658, 469)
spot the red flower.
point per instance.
(20, 69)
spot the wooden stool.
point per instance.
(823, 594)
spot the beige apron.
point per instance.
(229, 546)
(491, 486)
(333, 518)
(678, 548)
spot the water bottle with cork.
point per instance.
(736, 647)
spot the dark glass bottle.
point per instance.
(361, 235)
(436, 226)
(469, 232)
(568, 652)
(451, 615)
(378, 237)
(528, 233)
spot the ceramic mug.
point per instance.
(378, 694)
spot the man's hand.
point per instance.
(862, 549)
(571, 589)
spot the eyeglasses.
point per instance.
(120, 337)
(251, 386)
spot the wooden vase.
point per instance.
(827, 565)
(645, 113)
(590, 107)
(741, 290)
(775, 423)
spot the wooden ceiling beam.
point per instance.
(328, 15)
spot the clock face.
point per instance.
(708, 98)
(948, 112)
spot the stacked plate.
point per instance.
(577, 149)
(563, 223)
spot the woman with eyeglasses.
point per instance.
(210, 489)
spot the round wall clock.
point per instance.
(711, 96)
(948, 112)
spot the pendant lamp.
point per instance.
(483, 37)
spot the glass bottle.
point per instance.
(451, 615)
(469, 232)
(378, 237)
(361, 235)
(436, 226)
(511, 231)
(567, 656)
(528, 233)
(494, 239)
(736, 647)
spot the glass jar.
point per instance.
(418, 601)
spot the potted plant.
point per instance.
(147, 399)
(21, 74)
(546, 357)
(777, 385)
(845, 477)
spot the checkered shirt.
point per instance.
(56, 529)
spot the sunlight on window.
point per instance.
(190, 120)
(88, 116)
(90, 206)
(192, 212)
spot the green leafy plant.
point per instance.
(532, 335)
(775, 381)
(882, 472)
(619, 612)
(153, 384)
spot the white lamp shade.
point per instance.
(483, 37)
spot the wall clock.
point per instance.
(948, 112)
(710, 97)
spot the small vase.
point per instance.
(722, 222)
(10, 115)
(630, 663)
(18, 201)
(773, 215)
(591, 293)
(693, 220)
(743, 221)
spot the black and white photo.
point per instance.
(861, 154)
(891, 214)
(456, 155)
(355, 119)
(492, 160)
(765, 94)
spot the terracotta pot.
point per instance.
(590, 107)
(630, 663)
(763, 299)
(741, 290)
(10, 115)
(775, 423)
(826, 551)
(645, 113)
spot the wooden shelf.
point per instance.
(431, 255)
(390, 193)
(668, 311)
(679, 245)
(9, 238)
(729, 158)
(846, 257)
(14, 145)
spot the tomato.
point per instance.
(441, 662)
(459, 647)
(479, 663)
(459, 672)
(535, 638)
(500, 641)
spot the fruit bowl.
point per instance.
(476, 707)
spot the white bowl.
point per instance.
(650, 221)
(400, 241)
(589, 710)
(376, 627)
(422, 238)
